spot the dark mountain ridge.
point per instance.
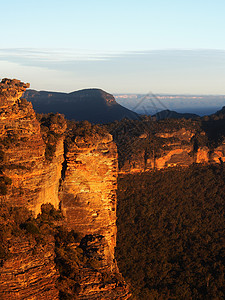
(170, 114)
(94, 105)
(221, 111)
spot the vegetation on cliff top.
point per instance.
(135, 137)
(85, 132)
(52, 128)
(18, 222)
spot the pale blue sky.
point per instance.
(120, 46)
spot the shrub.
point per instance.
(30, 227)
(2, 156)
(52, 126)
(50, 151)
(4, 183)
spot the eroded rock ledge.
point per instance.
(88, 201)
(146, 145)
(35, 179)
(43, 162)
(33, 166)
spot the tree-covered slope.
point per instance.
(171, 233)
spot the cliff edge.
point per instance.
(76, 170)
(34, 178)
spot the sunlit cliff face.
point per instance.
(34, 179)
(43, 162)
(89, 189)
(83, 178)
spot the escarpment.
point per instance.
(35, 170)
(34, 178)
(75, 169)
(146, 145)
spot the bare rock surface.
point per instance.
(35, 180)
(33, 169)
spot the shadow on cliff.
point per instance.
(214, 128)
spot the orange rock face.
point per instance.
(202, 155)
(81, 180)
(34, 180)
(175, 157)
(218, 155)
(11, 90)
(86, 176)
(178, 148)
(88, 201)
(28, 273)
(89, 189)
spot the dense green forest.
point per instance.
(171, 233)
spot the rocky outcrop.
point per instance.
(11, 91)
(202, 155)
(35, 180)
(27, 179)
(88, 201)
(168, 148)
(88, 197)
(77, 172)
(218, 155)
(33, 169)
(101, 278)
(30, 272)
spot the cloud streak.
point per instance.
(61, 58)
(175, 71)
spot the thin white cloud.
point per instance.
(169, 71)
(51, 55)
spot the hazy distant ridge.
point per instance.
(151, 104)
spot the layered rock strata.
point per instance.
(30, 272)
(88, 201)
(178, 148)
(22, 157)
(80, 175)
(88, 197)
(33, 166)
(100, 277)
(218, 155)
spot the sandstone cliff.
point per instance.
(89, 187)
(146, 145)
(35, 180)
(88, 201)
(77, 171)
(30, 271)
(33, 169)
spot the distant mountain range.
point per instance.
(151, 104)
(98, 106)
(94, 105)
(221, 111)
(169, 114)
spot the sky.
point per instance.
(120, 46)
